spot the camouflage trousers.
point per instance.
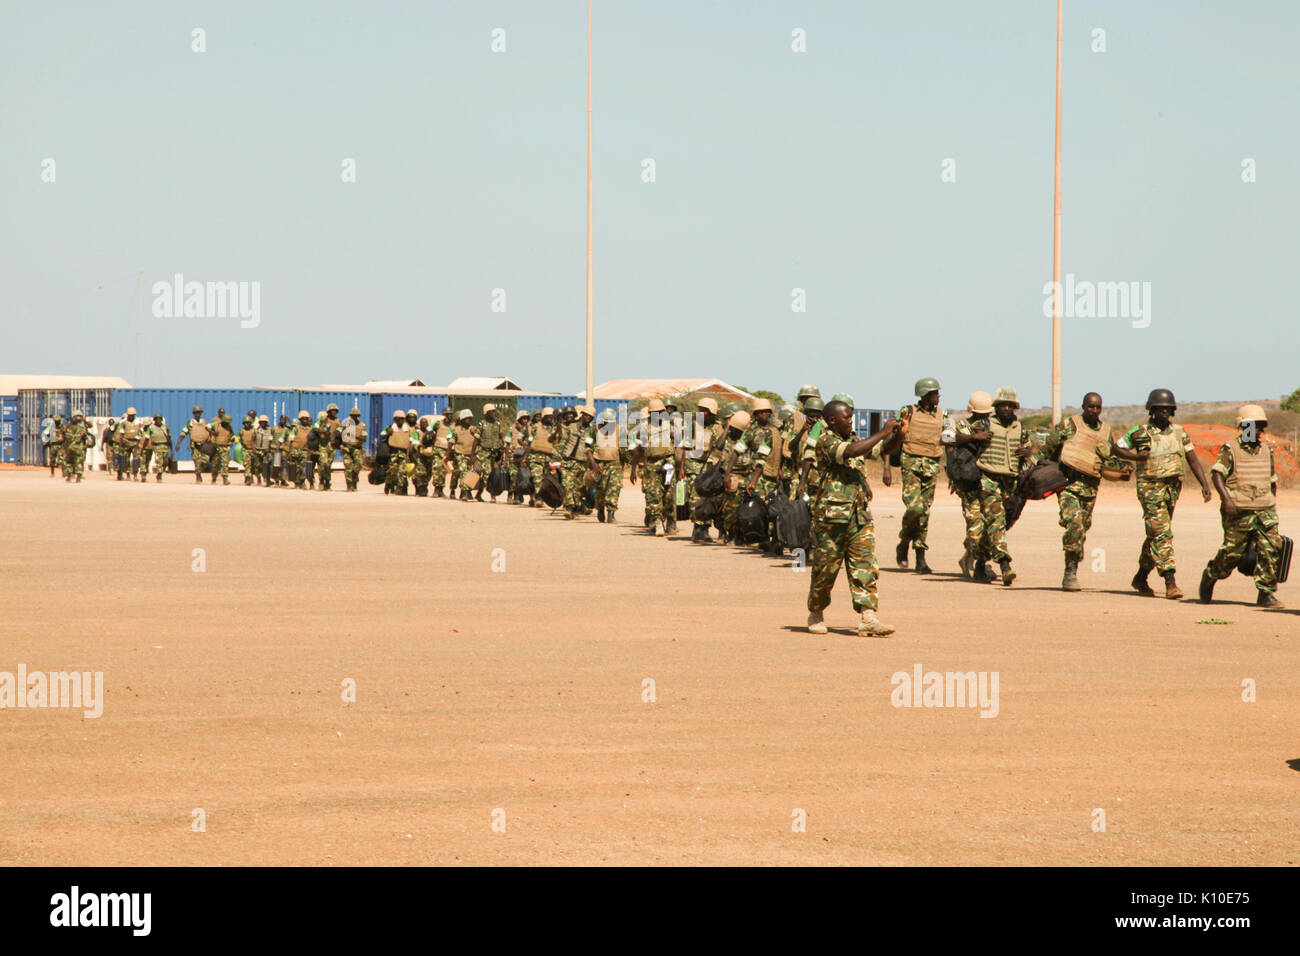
(610, 484)
(1238, 532)
(395, 479)
(353, 457)
(851, 545)
(1158, 496)
(766, 487)
(994, 492)
(573, 475)
(74, 462)
(221, 463)
(537, 464)
(254, 462)
(161, 457)
(1076, 501)
(146, 456)
(200, 463)
(324, 467)
(461, 465)
(55, 456)
(659, 499)
(693, 470)
(976, 543)
(424, 465)
(297, 458)
(918, 496)
(128, 460)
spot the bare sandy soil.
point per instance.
(515, 696)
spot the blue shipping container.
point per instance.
(9, 433)
(175, 404)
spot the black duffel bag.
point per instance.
(706, 509)
(792, 521)
(552, 492)
(751, 521)
(498, 482)
(711, 481)
(523, 481)
(1042, 481)
(379, 470)
(962, 469)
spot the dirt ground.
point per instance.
(500, 715)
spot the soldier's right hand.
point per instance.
(1230, 508)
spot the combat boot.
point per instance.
(67, 478)
(225, 480)
(980, 571)
(157, 478)
(609, 516)
(900, 553)
(198, 478)
(600, 513)
(1070, 580)
(1140, 585)
(1268, 600)
(1007, 574)
(700, 533)
(872, 626)
(1171, 587)
(965, 564)
(670, 526)
(921, 566)
(815, 623)
(1206, 591)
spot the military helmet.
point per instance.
(226, 418)
(58, 418)
(844, 397)
(197, 409)
(1161, 397)
(607, 415)
(331, 407)
(1251, 413)
(522, 413)
(739, 420)
(304, 414)
(813, 404)
(264, 418)
(708, 404)
(1006, 394)
(489, 407)
(155, 414)
(548, 410)
(568, 410)
(398, 414)
(464, 413)
(762, 405)
(588, 410)
(924, 386)
(412, 412)
(655, 405)
(730, 409)
(131, 410)
(355, 411)
(76, 415)
(980, 402)
(808, 391)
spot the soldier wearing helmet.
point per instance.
(159, 437)
(516, 455)
(352, 443)
(767, 444)
(398, 435)
(972, 430)
(805, 449)
(493, 440)
(653, 462)
(327, 443)
(1006, 446)
(463, 456)
(299, 451)
(126, 440)
(281, 433)
(223, 437)
(252, 462)
(440, 469)
(1246, 479)
(926, 430)
(696, 454)
(606, 456)
(539, 444)
(1082, 445)
(196, 430)
(75, 441)
(737, 464)
(259, 450)
(572, 452)
(1160, 447)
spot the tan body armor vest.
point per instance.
(998, 457)
(354, 433)
(262, 439)
(1080, 450)
(464, 439)
(198, 433)
(1167, 457)
(923, 430)
(300, 433)
(442, 436)
(606, 448)
(246, 437)
(776, 445)
(1250, 485)
(222, 434)
(131, 432)
(542, 440)
(399, 436)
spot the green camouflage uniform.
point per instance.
(842, 530)
(1077, 499)
(127, 447)
(539, 461)
(790, 456)
(462, 463)
(74, 450)
(1259, 525)
(738, 470)
(995, 489)
(261, 453)
(698, 457)
(976, 543)
(200, 459)
(656, 442)
(758, 437)
(160, 441)
(493, 438)
(395, 477)
(920, 477)
(222, 432)
(55, 450)
(1157, 495)
(298, 457)
(807, 451)
(279, 443)
(354, 450)
(326, 428)
(573, 463)
(252, 460)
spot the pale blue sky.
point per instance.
(775, 170)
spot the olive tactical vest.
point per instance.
(1080, 450)
(464, 439)
(399, 436)
(998, 457)
(300, 433)
(606, 444)
(1166, 459)
(923, 430)
(775, 444)
(1250, 485)
(542, 440)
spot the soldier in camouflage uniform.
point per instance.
(493, 440)
(764, 438)
(421, 465)
(843, 531)
(54, 448)
(572, 454)
(1159, 447)
(1246, 479)
(247, 427)
(518, 457)
(926, 428)
(976, 550)
(298, 449)
(329, 443)
(260, 451)
(440, 469)
(652, 454)
(127, 441)
(1006, 446)
(223, 436)
(197, 431)
(540, 446)
(159, 437)
(75, 437)
(606, 456)
(736, 465)
(464, 453)
(399, 437)
(1082, 445)
(352, 440)
(144, 451)
(695, 456)
(280, 436)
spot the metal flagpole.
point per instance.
(591, 394)
(139, 305)
(1056, 239)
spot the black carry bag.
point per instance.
(498, 481)
(793, 523)
(552, 492)
(313, 441)
(1042, 481)
(1250, 560)
(589, 498)
(379, 470)
(711, 481)
(683, 513)
(706, 509)
(523, 481)
(963, 472)
(751, 521)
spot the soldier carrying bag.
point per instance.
(711, 481)
(498, 481)
(523, 482)
(1250, 560)
(751, 521)
(551, 492)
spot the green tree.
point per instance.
(772, 397)
(1292, 402)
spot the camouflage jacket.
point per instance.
(843, 494)
(1063, 432)
(74, 436)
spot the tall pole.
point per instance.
(139, 305)
(591, 385)
(1056, 239)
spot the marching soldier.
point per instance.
(805, 453)
(1246, 480)
(976, 550)
(261, 451)
(299, 450)
(352, 439)
(540, 448)
(127, 439)
(737, 463)
(398, 436)
(606, 457)
(693, 459)
(106, 444)
(329, 443)
(794, 420)
(843, 531)
(494, 438)
(925, 427)
(572, 455)
(1006, 447)
(518, 457)
(54, 448)
(464, 453)
(1081, 443)
(246, 439)
(75, 441)
(654, 450)
(223, 436)
(144, 450)
(197, 431)
(280, 437)
(1159, 447)
(423, 436)
(159, 437)
(768, 447)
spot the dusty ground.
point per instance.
(521, 691)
